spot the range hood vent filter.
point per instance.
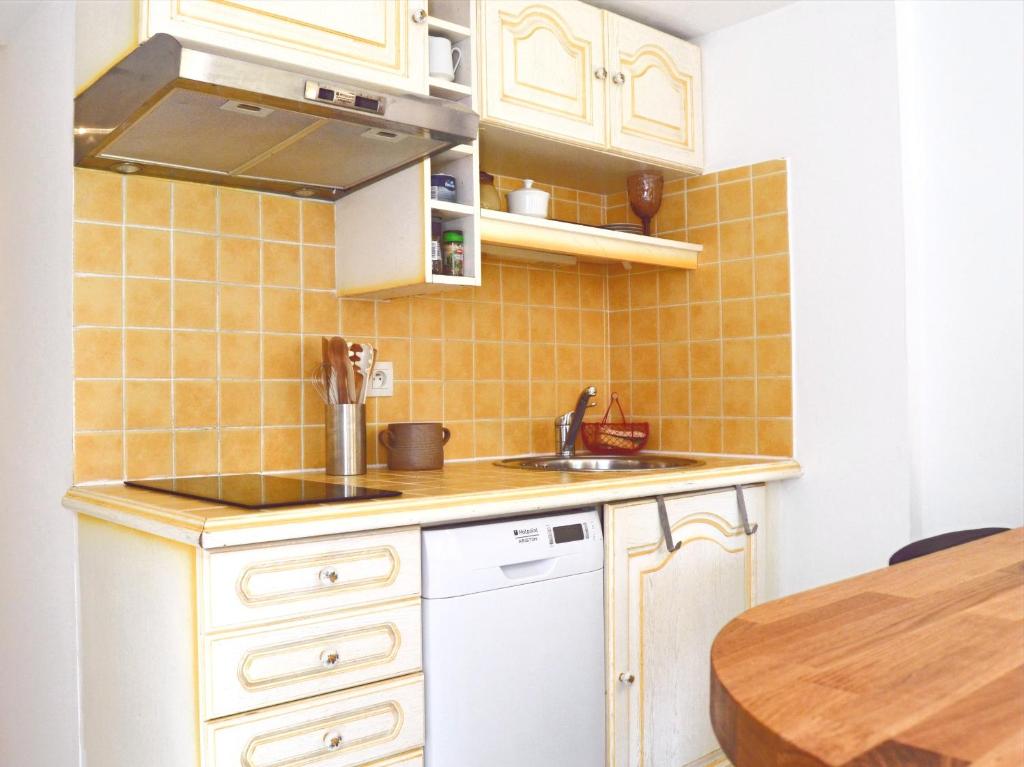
(184, 113)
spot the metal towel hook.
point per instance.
(666, 529)
(744, 519)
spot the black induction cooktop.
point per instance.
(261, 491)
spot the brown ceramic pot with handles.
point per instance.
(415, 446)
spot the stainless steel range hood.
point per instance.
(176, 111)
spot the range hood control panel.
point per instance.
(318, 92)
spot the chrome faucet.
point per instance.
(567, 426)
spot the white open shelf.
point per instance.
(446, 89)
(444, 28)
(508, 234)
(447, 279)
(448, 211)
(451, 155)
(404, 268)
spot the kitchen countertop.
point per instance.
(459, 492)
(921, 664)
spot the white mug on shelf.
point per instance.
(444, 60)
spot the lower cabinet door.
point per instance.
(252, 669)
(663, 611)
(346, 729)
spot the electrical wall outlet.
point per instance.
(382, 380)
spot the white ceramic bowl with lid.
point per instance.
(528, 201)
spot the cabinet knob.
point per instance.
(618, 78)
(333, 741)
(600, 73)
(328, 576)
(419, 16)
(330, 658)
(626, 678)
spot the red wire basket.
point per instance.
(615, 438)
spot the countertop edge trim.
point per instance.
(307, 522)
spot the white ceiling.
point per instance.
(690, 18)
(12, 14)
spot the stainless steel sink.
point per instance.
(601, 463)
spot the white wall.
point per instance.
(816, 83)
(38, 634)
(961, 86)
(907, 323)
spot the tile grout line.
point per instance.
(259, 324)
(754, 330)
(172, 362)
(721, 315)
(123, 182)
(218, 332)
(302, 328)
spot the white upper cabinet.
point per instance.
(572, 72)
(378, 41)
(539, 66)
(654, 102)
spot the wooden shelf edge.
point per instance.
(451, 30)
(541, 235)
(453, 154)
(450, 210)
(447, 279)
(448, 89)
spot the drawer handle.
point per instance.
(626, 678)
(333, 741)
(291, 746)
(330, 658)
(328, 576)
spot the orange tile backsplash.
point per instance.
(198, 309)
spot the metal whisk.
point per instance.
(325, 381)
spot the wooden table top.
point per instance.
(918, 664)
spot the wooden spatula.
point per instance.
(338, 352)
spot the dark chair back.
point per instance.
(939, 542)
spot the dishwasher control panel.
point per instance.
(479, 556)
(554, 533)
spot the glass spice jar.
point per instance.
(454, 253)
(489, 197)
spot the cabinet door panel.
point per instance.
(656, 109)
(374, 40)
(538, 68)
(665, 609)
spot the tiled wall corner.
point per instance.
(198, 309)
(712, 368)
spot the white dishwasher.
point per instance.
(513, 642)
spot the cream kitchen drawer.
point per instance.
(254, 585)
(345, 729)
(253, 668)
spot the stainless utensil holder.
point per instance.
(345, 431)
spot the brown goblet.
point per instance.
(645, 196)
